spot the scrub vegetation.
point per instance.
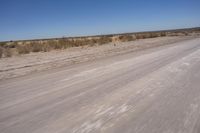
(11, 48)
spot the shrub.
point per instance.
(12, 45)
(163, 34)
(36, 46)
(2, 44)
(77, 43)
(186, 33)
(126, 38)
(91, 42)
(23, 49)
(104, 40)
(7, 52)
(146, 35)
(1, 52)
(139, 36)
(46, 47)
(153, 35)
(62, 43)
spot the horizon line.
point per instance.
(99, 35)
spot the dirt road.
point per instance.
(151, 91)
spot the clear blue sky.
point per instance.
(29, 19)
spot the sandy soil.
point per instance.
(156, 91)
(25, 64)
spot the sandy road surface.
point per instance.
(154, 91)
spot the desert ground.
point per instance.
(30, 63)
(143, 86)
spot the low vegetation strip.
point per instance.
(28, 63)
(8, 49)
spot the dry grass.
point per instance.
(25, 47)
(7, 52)
(127, 38)
(1, 52)
(104, 40)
